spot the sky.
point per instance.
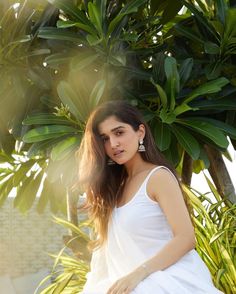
(198, 181)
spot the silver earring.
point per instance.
(141, 147)
(110, 162)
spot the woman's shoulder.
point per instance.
(162, 178)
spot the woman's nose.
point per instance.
(114, 142)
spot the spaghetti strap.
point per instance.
(154, 170)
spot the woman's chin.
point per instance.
(120, 161)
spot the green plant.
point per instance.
(215, 228)
(69, 272)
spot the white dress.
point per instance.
(137, 231)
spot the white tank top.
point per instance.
(144, 219)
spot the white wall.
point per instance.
(26, 240)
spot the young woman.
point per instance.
(144, 236)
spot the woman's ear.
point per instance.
(141, 131)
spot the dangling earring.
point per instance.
(110, 162)
(141, 147)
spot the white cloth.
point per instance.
(137, 231)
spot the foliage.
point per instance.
(141, 50)
(69, 273)
(215, 229)
(23, 78)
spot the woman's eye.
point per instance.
(119, 133)
(104, 139)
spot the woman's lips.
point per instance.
(117, 153)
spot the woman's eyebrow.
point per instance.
(113, 130)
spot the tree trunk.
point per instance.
(76, 243)
(72, 204)
(220, 175)
(187, 169)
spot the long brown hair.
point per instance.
(100, 181)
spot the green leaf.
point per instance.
(97, 93)
(162, 135)
(67, 24)
(57, 59)
(213, 70)
(19, 175)
(5, 189)
(185, 70)
(47, 132)
(63, 148)
(62, 24)
(226, 128)
(48, 101)
(211, 48)
(182, 108)
(93, 40)
(5, 157)
(172, 153)
(221, 8)
(172, 76)
(41, 147)
(230, 28)
(26, 194)
(172, 8)
(207, 130)
(60, 34)
(39, 52)
(67, 277)
(83, 60)
(68, 225)
(220, 104)
(202, 19)
(114, 23)
(69, 8)
(86, 28)
(204, 158)
(166, 116)
(136, 73)
(208, 88)
(198, 166)
(44, 196)
(101, 4)
(69, 98)
(189, 33)
(162, 95)
(95, 17)
(170, 67)
(130, 37)
(187, 141)
(217, 235)
(130, 7)
(45, 119)
(220, 273)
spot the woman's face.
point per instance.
(120, 140)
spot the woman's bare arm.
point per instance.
(163, 187)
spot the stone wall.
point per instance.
(26, 240)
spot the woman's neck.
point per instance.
(136, 165)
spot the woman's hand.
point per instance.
(128, 283)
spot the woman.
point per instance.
(144, 236)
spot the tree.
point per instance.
(178, 69)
